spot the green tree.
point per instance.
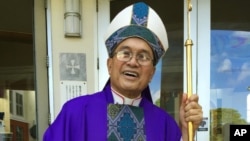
(157, 102)
(220, 119)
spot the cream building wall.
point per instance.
(86, 44)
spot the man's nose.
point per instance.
(133, 61)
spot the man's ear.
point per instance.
(109, 64)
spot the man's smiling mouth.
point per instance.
(131, 74)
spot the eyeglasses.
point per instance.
(142, 58)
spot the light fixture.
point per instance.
(72, 18)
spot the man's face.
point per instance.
(131, 77)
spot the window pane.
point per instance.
(230, 66)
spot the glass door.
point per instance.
(17, 73)
(230, 66)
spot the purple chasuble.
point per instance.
(85, 119)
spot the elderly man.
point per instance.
(123, 110)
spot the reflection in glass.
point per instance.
(230, 66)
(17, 87)
(230, 74)
(19, 134)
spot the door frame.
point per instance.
(200, 31)
(103, 23)
(41, 74)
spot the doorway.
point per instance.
(17, 69)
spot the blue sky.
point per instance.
(155, 84)
(230, 69)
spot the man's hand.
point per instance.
(190, 111)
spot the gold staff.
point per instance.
(189, 44)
